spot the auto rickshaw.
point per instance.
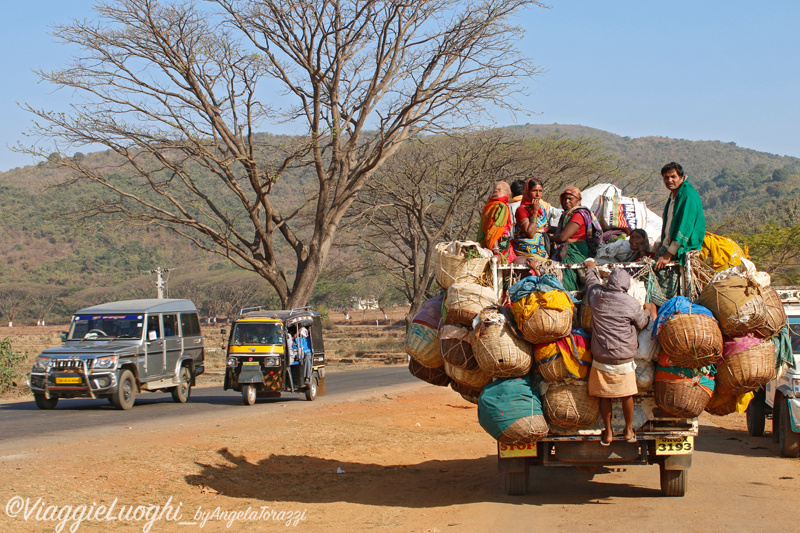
(268, 351)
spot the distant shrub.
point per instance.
(9, 361)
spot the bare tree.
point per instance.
(13, 298)
(43, 299)
(433, 190)
(179, 93)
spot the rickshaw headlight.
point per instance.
(272, 361)
(232, 362)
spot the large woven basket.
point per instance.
(459, 353)
(422, 344)
(525, 430)
(500, 353)
(570, 406)
(472, 380)
(465, 300)
(736, 303)
(452, 266)
(691, 340)
(466, 391)
(585, 319)
(682, 399)
(547, 325)
(434, 376)
(775, 318)
(721, 404)
(747, 370)
(553, 370)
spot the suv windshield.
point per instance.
(106, 327)
(257, 333)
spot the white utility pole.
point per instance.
(160, 281)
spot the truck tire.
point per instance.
(248, 394)
(42, 402)
(756, 417)
(673, 482)
(126, 391)
(182, 392)
(788, 440)
(517, 483)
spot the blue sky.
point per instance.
(697, 70)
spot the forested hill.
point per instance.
(728, 177)
(99, 260)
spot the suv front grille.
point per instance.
(68, 364)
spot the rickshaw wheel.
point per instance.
(248, 394)
(311, 391)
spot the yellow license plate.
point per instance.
(675, 446)
(68, 381)
(520, 450)
(250, 363)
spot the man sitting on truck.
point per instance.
(616, 316)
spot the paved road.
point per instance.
(22, 420)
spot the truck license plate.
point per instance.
(675, 446)
(68, 381)
(517, 450)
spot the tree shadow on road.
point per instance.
(434, 483)
(716, 439)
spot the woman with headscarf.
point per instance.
(496, 223)
(640, 245)
(577, 235)
(532, 223)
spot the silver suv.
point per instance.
(118, 349)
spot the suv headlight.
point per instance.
(272, 361)
(42, 364)
(232, 361)
(109, 361)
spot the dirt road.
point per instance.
(404, 458)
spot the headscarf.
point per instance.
(574, 191)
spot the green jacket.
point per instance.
(688, 223)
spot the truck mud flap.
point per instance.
(678, 462)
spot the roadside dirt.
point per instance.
(408, 458)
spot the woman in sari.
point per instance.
(577, 229)
(532, 223)
(640, 245)
(496, 224)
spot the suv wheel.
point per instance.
(126, 391)
(183, 391)
(42, 402)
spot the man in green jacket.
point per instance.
(684, 226)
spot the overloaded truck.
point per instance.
(662, 439)
(519, 349)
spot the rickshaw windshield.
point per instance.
(257, 333)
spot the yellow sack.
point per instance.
(742, 401)
(523, 309)
(721, 253)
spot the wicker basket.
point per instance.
(525, 430)
(585, 319)
(472, 380)
(736, 303)
(434, 376)
(422, 344)
(452, 266)
(465, 300)
(570, 406)
(547, 325)
(466, 391)
(500, 353)
(775, 318)
(721, 404)
(691, 340)
(682, 399)
(553, 370)
(459, 353)
(747, 370)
